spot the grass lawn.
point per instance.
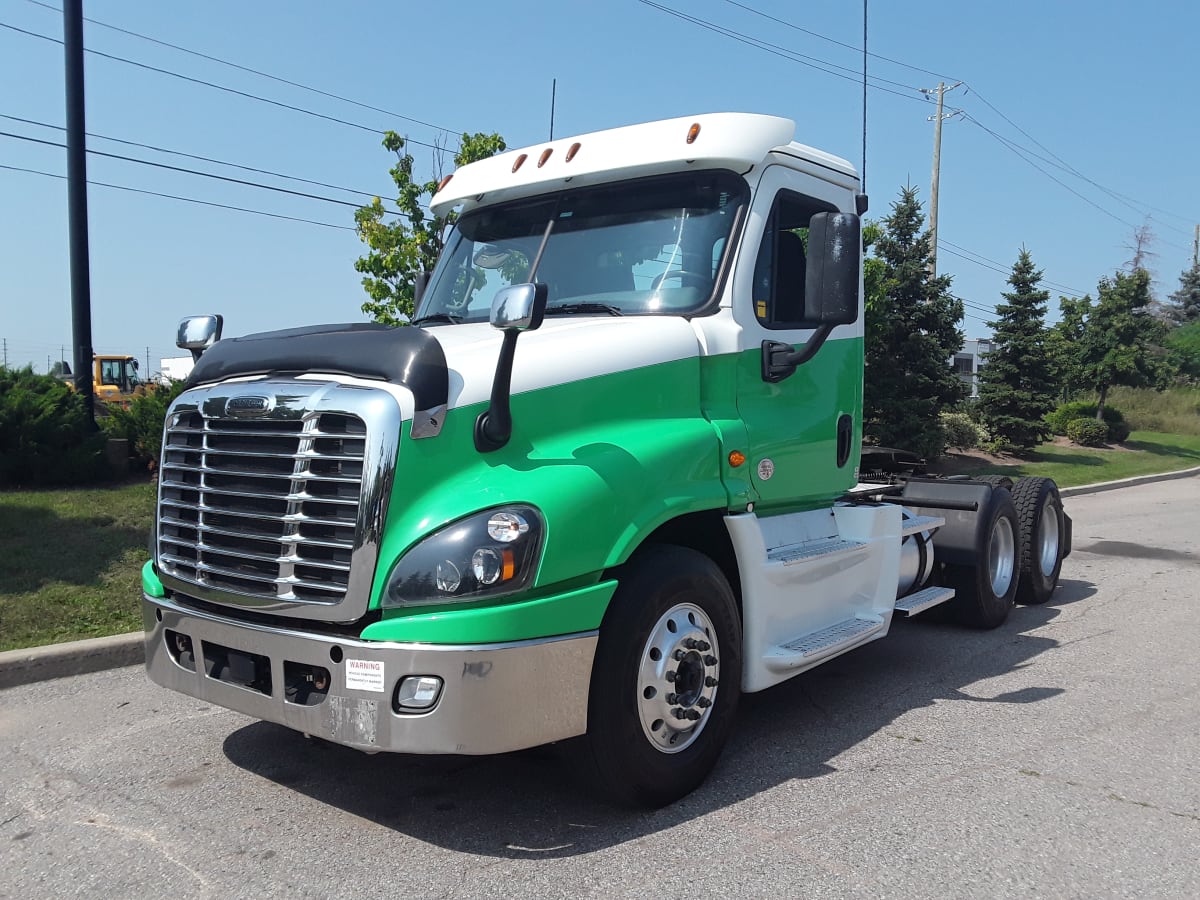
(70, 563)
(1145, 453)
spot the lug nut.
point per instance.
(704, 703)
(702, 646)
(672, 699)
(709, 681)
(678, 654)
(670, 676)
(710, 660)
(678, 713)
(693, 714)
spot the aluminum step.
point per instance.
(826, 642)
(924, 599)
(812, 550)
(921, 523)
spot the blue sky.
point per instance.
(1101, 90)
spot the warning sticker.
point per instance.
(364, 675)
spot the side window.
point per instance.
(781, 265)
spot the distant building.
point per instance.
(969, 361)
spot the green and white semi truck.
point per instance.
(442, 539)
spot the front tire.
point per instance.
(666, 678)
(986, 591)
(1040, 513)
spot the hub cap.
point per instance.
(1048, 546)
(677, 679)
(1001, 555)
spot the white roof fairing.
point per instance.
(736, 141)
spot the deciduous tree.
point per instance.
(410, 243)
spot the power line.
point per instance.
(123, 187)
(823, 37)
(208, 159)
(252, 71)
(221, 87)
(158, 165)
(997, 266)
(774, 49)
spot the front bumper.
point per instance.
(495, 697)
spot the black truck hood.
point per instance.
(407, 356)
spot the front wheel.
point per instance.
(666, 678)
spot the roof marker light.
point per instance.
(693, 133)
(545, 156)
(520, 161)
(445, 181)
(574, 149)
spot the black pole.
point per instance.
(864, 167)
(81, 290)
(553, 97)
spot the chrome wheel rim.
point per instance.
(678, 677)
(1001, 556)
(1048, 540)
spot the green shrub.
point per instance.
(1058, 420)
(1087, 432)
(45, 435)
(142, 423)
(959, 431)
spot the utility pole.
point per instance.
(147, 362)
(1196, 248)
(937, 167)
(81, 289)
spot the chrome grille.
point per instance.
(267, 512)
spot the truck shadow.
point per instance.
(532, 805)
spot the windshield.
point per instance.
(653, 245)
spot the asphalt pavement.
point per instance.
(1058, 756)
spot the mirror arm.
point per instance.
(493, 428)
(780, 360)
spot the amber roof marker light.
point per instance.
(520, 161)
(572, 151)
(693, 133)
(545, 156)
(445, 181)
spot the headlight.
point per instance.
(485, 555)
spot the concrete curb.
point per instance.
(18, 667)
(1127, 482)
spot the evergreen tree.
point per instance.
(1185, 302)
(912, 333)
(1016, 386)
(1121, 342)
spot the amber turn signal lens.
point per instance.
(508, 565)
(693, 133)
(736, 458)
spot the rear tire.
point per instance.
(1040, 514)
(985, 592)
(666, 678)
(996, 481)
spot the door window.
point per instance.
(781, 265)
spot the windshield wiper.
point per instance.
(436, 317)
(572, 308)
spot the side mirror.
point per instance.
(834, 261)
(198, 333)
(519, 307)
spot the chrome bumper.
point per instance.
(494, 698)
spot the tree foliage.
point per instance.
(1063, 342)
(1016, 386)
(1121, 341)
(410, 243)
(912, 333)
(1184, 304)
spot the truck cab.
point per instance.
(603, 484)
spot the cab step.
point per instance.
(809, 551)
(924, 599)
(830, 641)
